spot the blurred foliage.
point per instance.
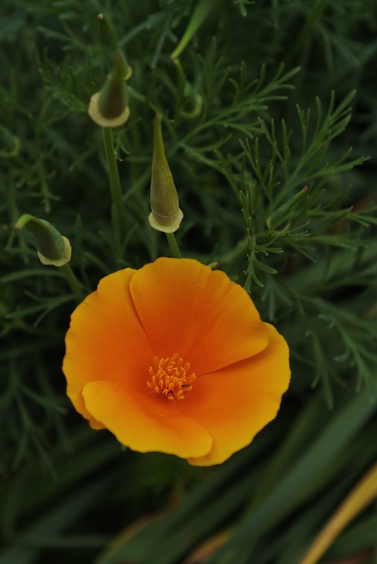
(260, 113)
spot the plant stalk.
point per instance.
(174, 249)
(115, 187)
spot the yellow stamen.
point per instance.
(170, 376)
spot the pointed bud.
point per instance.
(109, 107)
(166, 215)
(52, 247)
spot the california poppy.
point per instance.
(175, 358)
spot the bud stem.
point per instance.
(174, 249)
(112, 169)
(73, 282)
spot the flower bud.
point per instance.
(166, 215)
(109, 106)
(52, 247)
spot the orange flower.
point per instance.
(175, 358)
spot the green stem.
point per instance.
(73, 283)
(112, 169)
(201, 11)
(306, 31)
(173, 245)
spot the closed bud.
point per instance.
(53, 248)
(109, 106)
(166, 215)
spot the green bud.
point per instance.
(109, 106)
(53, 248)
(166, 215)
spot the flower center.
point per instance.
(170, 376)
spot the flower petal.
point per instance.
(105, 341)
(236, 402)
(145, 422)
(187, 308)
